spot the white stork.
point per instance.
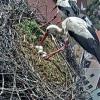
(78, 29)
(68, 8)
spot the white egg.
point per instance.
(44, 54)
(39, 47)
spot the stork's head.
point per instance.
(51, 30)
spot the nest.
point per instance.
(23, 74)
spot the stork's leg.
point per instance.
(57, 51)
(54, 52)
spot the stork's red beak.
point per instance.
(44, 37)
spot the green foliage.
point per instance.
(31, 28)
(92, 12)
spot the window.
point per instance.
(90, 86)
(91, 75)
(87, 63)
(90, 98)
(98, 94)
(83, 78)
(85, 82)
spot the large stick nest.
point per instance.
(23, 74)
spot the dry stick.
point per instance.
(57, 66)
(54, 93)
(82, 58)
(24, 36)
(14, 83)
(21, 16)
(5, 89)
(2, 84)
(18, 94)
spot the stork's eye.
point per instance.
(47, 30)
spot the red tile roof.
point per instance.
(98, 34)
(45, 7)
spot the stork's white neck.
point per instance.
(55, 27)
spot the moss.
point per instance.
(31, 29)
(50, 71)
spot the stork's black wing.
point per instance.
(74, 7)
(91, 28)
(93, 32)
(89, 44)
